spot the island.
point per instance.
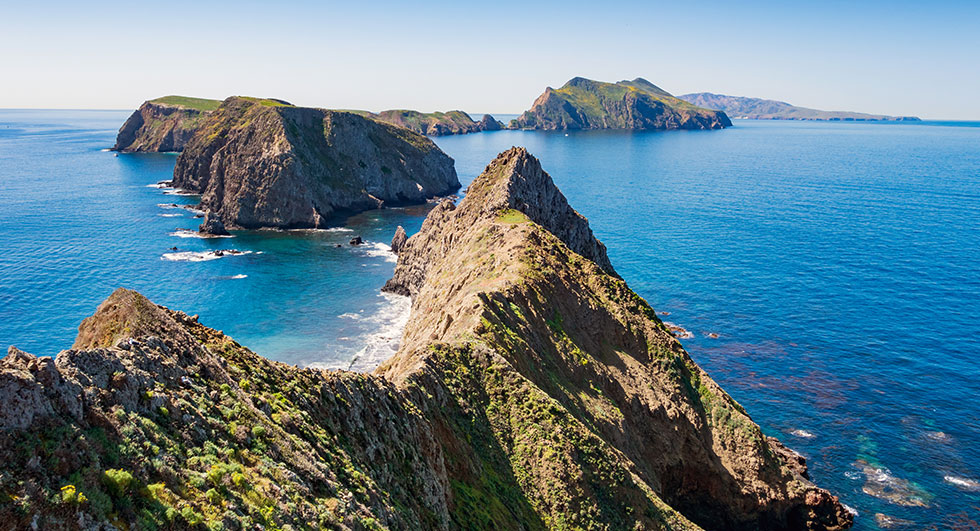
(586, 104)
(167, 124)
(760, 109)
(435, 123)
(261, 163)
(532, 390)
(163, 124)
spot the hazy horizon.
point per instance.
(895, 58)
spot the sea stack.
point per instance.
(399, 240)
(265, 163)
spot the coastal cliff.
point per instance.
(532, 390)
(586, 104)
(163, 124)
(436, 123)
(761, 109)
(264, 163)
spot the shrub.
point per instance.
(117, 481)
(72, 496)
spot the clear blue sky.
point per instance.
(909, 58)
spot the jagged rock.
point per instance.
(356, 240)
(399, 240)
(263, 163)
(532, 389)
(586, 104)
(212, 225)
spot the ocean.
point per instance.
(828, 274)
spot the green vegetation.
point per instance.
(512, 216)
(199, 104)
(638, 104)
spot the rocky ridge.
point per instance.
(264, 163)
(163, 124)
(532, 390)
(638, 104)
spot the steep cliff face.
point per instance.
(262, 163)
(163, 124)
(586, 104)
(532, 390)
(436, 123)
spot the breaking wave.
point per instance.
(202, 256)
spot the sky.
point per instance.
(888, 57)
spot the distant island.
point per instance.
(163, 124)
(265, 163)
(166, 124)
(638, 104)
(760, 109)
(435, 123)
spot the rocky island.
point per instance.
(586, 104)
(163, 124)
(435, 123)
(532, 390)
(264, 163)
(761, 109)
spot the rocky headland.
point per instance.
(264, 163)
(436, 123)
(638, 104)
(163, 124)
(762, 109)
(532, 390)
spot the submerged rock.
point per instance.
(532, 389)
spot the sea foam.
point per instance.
(200, 256)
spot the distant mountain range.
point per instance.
(760, 109)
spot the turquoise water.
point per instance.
(836, 262)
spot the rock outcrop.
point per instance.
(532, 390)
(761, 109)
(586, 104)
(398, 241)
(163, 124)
(264, 163)
(435, 123)
(213, 226)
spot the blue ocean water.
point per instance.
(837, 263)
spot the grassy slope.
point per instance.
(200, 104)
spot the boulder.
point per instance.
(399, 240)
(212, 225)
